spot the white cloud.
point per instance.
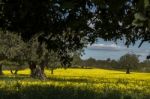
(107, 47)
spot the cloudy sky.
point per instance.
(103, 50)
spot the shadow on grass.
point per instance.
(79, 80)
(62, 92)
(65, 92)
(14, 77)
(73, 79)
(56, 92)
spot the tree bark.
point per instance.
(37, 71)
(42, 66)
(1, 69)
(32, 67)
(128, 71)
(52, 70)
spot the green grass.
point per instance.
(76, 84)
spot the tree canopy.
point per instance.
(129, 61)
(67, 25)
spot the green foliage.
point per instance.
(77, 61)
(129, 60)
(90, 61)
(76, 21)
(53, 61)
(12, 48)
(35, 50)
(147, 62)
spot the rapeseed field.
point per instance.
(76, 84)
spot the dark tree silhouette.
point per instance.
(148, 57)
(67, 24)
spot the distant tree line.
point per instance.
(126, 62)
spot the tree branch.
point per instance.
(143, 42)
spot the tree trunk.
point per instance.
(11, 71)
(36, 71)
(39, 74)
(32, 67)
(42, 66)
(1, 69)
(15, 72)
(128, 71)
(52, 70)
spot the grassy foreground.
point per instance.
(76, 84)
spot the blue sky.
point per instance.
(103, 50)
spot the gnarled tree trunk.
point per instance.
(43, 64)
(32, 66)
(36, 71)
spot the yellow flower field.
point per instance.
(98, 81)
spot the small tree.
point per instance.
(11, 49)
(128, 61)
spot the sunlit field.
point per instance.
(76, 84)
